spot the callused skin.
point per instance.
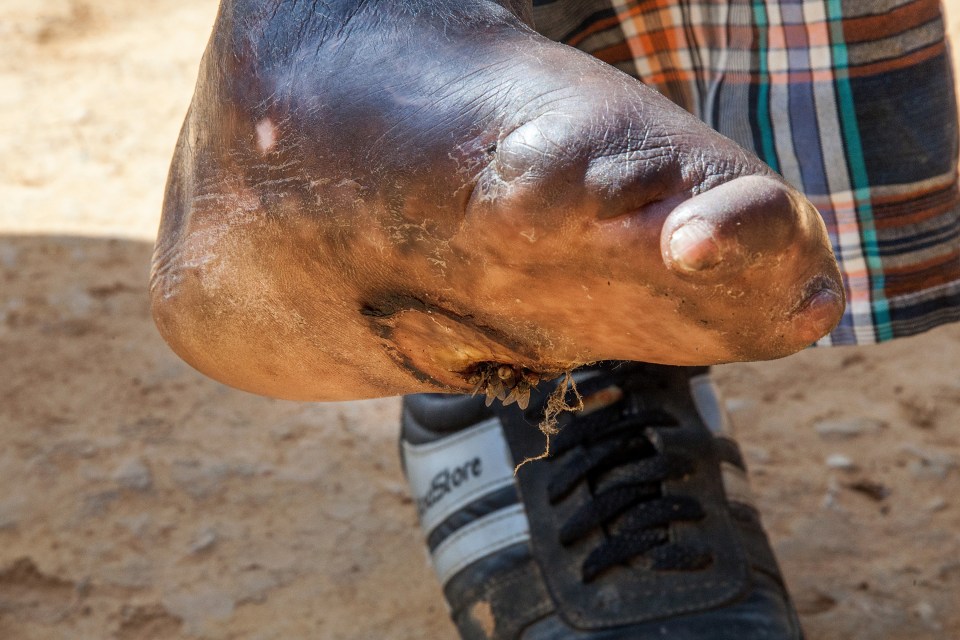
(378, 198)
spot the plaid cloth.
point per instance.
(852, 101)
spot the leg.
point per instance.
(373, 200)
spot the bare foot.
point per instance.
(372, 199)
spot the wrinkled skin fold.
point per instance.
(372, 198)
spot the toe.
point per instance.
(723, 230)
(819, 312)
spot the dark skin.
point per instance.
(378, 198)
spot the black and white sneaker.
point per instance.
(639, 525)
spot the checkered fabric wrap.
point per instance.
(852, 101)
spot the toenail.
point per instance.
(693, 247)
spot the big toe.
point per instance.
(759, 232)
(724, 229)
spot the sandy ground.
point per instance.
(140, 500)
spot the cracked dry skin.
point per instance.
(375, 200)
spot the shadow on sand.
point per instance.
(142, 500)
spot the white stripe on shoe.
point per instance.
(736, 485)
(450, 473)
(479, 539)
(706, 398)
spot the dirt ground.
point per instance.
(140, 500)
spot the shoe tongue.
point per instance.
(601, 399)
(599, 387)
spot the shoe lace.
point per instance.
(611, 450)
